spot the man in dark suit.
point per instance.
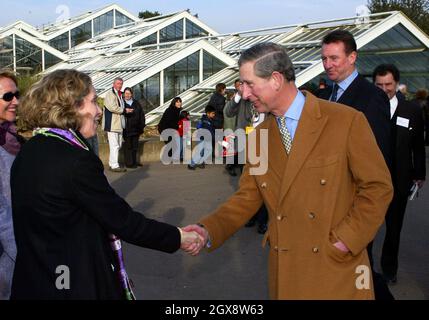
(409, 162)
(339, 55)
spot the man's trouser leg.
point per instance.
(115, 142)
(394, 220)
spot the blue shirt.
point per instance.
(293, 114)
(343, 85)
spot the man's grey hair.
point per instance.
(118, 79)
(268, 57)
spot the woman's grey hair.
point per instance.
(268, 57)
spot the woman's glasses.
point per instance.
(8, 96)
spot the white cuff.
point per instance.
(237, 98)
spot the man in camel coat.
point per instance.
(326, 187)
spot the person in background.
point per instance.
(64, 210)
(170, 120)
(10, 145)
(184, 127)
(421, 98)
(339, 56)
(199, 155)
(134, 126)
(409, 162)
(114, 123)
(218, 100)
(242, 110)
(403, 90)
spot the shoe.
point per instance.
(118, 169)
(191, 167)
(201, 165)
(231, 171)
(390, 280)
(262, 228)
(139, 164)
(132, 167)
(250, 223)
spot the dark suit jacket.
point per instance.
(63, 210)
(409, 161)
(374, 103)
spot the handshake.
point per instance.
(193, 238)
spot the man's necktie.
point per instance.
(285, 134)
(334, 93)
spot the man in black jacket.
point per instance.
(339, 54)
(409, 162)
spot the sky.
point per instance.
(224, 16)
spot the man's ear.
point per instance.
(278, 80)
(352, 57)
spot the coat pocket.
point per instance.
(322, 161)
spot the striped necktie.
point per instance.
(285, 134)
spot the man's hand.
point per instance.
(190, 241)
(195, 248)
(341, 246)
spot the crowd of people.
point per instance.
(342, 160)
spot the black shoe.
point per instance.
(139, 164)
(250, 223)
(231, 171)
(390, 280)
(132, 167)
(191, 167)
(201, 165)
(262, 228)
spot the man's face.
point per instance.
(387, 83)
(117, 85)
(338, 65)
(260, 91)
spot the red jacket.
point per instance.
(184, 125)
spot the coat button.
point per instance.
(279, 218)
(322, 182)
(311, 215)
(315, 250)
(263, 185)
(276, 248)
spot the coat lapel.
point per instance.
(310, 127)
(276, 152)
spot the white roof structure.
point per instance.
(389, 37)
(178, 54)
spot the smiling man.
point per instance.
(325, 199)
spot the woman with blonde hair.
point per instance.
(66, 215)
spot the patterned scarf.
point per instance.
(8, 138)
(72, 138)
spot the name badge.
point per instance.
(403, 122)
